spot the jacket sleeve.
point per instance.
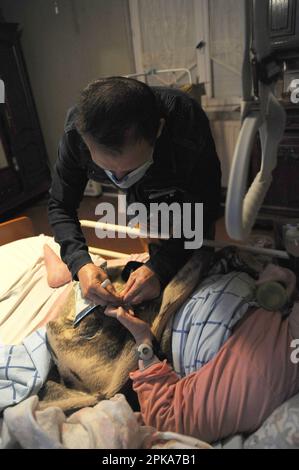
(171, 404)
(68, 184)
(204, 186)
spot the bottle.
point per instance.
(271, 295)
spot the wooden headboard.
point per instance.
(16, 229)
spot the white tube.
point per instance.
(107, 253)
(251, 249)
(211, 243)
(112, 227)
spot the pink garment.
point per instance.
(251, 375)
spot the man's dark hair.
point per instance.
(117, 111)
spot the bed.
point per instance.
(21, 251)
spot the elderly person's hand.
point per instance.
(139, 329)
(141, 332)
(279, 274)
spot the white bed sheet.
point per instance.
(25, 297)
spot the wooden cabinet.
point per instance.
(24, 171)
(284, 24)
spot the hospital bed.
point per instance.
(21, 248)
(241, 208)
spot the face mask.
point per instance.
(132, 177)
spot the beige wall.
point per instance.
(87, 39)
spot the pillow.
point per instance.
(280, 430)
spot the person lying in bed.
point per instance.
(250, 376)
(233, 392)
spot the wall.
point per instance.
(64, 51)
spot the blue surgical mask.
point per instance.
(132, 177)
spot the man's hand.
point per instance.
(91, 278)
(143, 284)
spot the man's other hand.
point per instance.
(91, 278)
(143, 284)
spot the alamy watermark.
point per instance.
(160, 220)
(294, 87)
(295, 353)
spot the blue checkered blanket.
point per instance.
(203, 324)
(23, 368)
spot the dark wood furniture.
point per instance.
(24, 170)
(16, 229)
(282, 199)
(284, 25)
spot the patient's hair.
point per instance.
(118, 111)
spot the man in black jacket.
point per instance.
(155, 144)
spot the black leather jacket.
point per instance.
(186, 167)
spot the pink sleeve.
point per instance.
(162, 397)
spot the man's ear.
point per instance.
(162, 123)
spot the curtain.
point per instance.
(226, 33)
(168, 36)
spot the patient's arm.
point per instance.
(58, 273)
(139, 329)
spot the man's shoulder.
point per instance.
(165, 93)
(71, 135)
(168, 98)
(185, 118)
(71, 138)
(70, 119)
(176, 104)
